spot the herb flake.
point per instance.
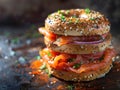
(43, 66)
(77, 65)
(87, 10)
(63, 18)
(92, 18)
(70, 87)
(49, 54)
(48, 72)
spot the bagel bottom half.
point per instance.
(86, 72)
(83, 76)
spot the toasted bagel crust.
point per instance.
(76, 22)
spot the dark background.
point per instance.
(24, 12)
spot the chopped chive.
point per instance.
(92, 18)
(48, 72)
(70, 87)
(77, 65)
(49, 54)
(63, 18)
(43, 66)
(87, 10)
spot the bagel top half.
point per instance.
(77, 22)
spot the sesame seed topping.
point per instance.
(65, 34)
(58, 29)
(65, 27)
(117, 57)
(81, 32)
(82, 47)
(59, 24)
(85, 76)
(77, 29)
(113, 59)
(91, 75)
(108, 27)
(70, 28)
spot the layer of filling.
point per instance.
(61, 40)
(78, 62)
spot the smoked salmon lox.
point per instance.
(78, 45)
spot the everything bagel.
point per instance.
(77, 22)
(78, 44)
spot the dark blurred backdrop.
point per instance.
(22, 12)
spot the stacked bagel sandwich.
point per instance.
(78, 44)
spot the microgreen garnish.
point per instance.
(49, 54)
(47, 71)
(63, 18)
(70, 87)
(87, 10)
(43, 66)
(92, 18)
(38, 57)
(77, 65)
